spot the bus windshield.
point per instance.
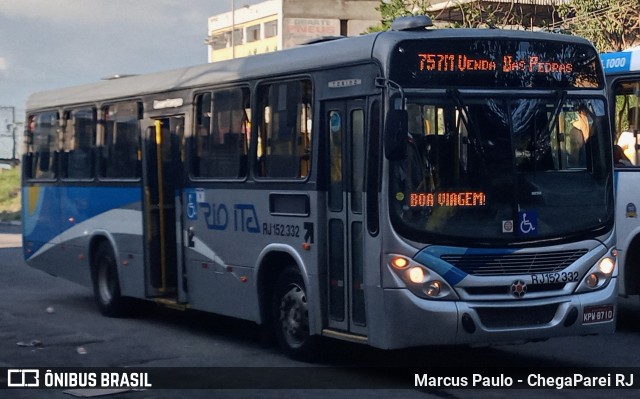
(502, 169)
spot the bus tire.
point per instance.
(291, 316)
(106, 287)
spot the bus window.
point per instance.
(42, 146)
(222, 130)
(120, 153)
(577, 128)
(79, 140)
(357, 159)
(627, 118)
(372, 173)
(284, 133)
(425, 119)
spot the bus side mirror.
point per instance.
(396, 129)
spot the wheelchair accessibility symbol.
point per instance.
(192, 206)
(528, 222)
(193, 198)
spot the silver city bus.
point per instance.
(413, 187)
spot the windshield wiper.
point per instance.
(471, 128)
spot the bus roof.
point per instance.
(300, 59)
(622, 61)
(307, 58)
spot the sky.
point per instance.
(47, 44)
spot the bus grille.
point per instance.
(513, 264)
(505, 289)
(517, 317)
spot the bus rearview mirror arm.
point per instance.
(396, 126)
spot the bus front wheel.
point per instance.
(291, 315)
(106, 287)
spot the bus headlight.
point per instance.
(599, 275)
(400, 262)
(606, 265)
(434, 288)
(416, 275)
(421, 280)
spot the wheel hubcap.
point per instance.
(294, 316)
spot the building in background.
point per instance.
(277, 24)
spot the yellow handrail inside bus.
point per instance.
(163, 258)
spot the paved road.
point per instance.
(10, 236)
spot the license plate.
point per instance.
(553, 278)
(597, 314)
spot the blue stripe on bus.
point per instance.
(47, 209)
(430, 257)
(37, 208)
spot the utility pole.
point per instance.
(14, 150)
(12, 128)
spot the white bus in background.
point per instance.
(622, 70)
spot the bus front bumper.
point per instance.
(412, 321)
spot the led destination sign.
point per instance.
(454, 199)
(463, 63)
(495, 63)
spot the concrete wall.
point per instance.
(356, 15)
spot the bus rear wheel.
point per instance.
(106, 287)
(291, 316)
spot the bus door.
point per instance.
(162, 174)
(344, 126)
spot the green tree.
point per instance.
(476, 14)
(392, 9)
(465, 14)
(612, 25)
